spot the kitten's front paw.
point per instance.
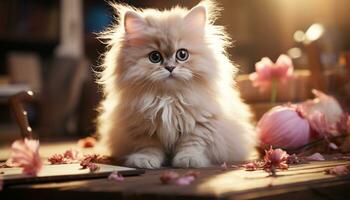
(143, 160)
(194, 160)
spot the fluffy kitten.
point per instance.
(169, 93)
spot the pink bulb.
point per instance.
(283, 126)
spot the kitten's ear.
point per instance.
(133, 22)
(197, 17)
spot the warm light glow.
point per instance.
(294, 52)
(314, 32)
(299, 36)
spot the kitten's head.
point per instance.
(166, 50)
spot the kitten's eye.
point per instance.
(155, 57)
(182, 54)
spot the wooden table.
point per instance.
(304, 181)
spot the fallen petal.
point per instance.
(72, 154)
(115, 176)
(25, 154)
(333, 146)
(56, 159)
(93, 167)
(87, 142)
(185, 180)
(195, 174)
(293, 159)
(315, 157)
(339, 170)
(168, 177)
(250, 166)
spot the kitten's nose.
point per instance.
(169, 68)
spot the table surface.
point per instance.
(303, 181)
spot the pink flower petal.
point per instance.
(339, 170)
(72, 154)
(315, 157)
(195, 174)
(319, 124)
(25, 154)
(68, 157)
(185, 180)
(93, 167)
(343, 124)
(328, 106)
(333, 146)
(87, 142)
(250, 166)
(266, 71)
(293, 159)
(275, 159)
(115, 176)
(57, 159)
(168, 177)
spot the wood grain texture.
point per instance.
(306, 180)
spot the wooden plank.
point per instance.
(212, 184)
(63, 172)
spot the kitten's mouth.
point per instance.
(171, 76)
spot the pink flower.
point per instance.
(325, 104)
(267, 71)
(319, 124)
(275, 159)
(315, 157)
(339, 170)
(343, 124)
(25, 154)
(168, 177)
(57, 159)
(94, 158)
(69, 156)
(115, 176)
(72, 154)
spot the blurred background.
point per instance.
(50, 47)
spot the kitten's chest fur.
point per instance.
(170, 117)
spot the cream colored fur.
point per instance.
(195, 118)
